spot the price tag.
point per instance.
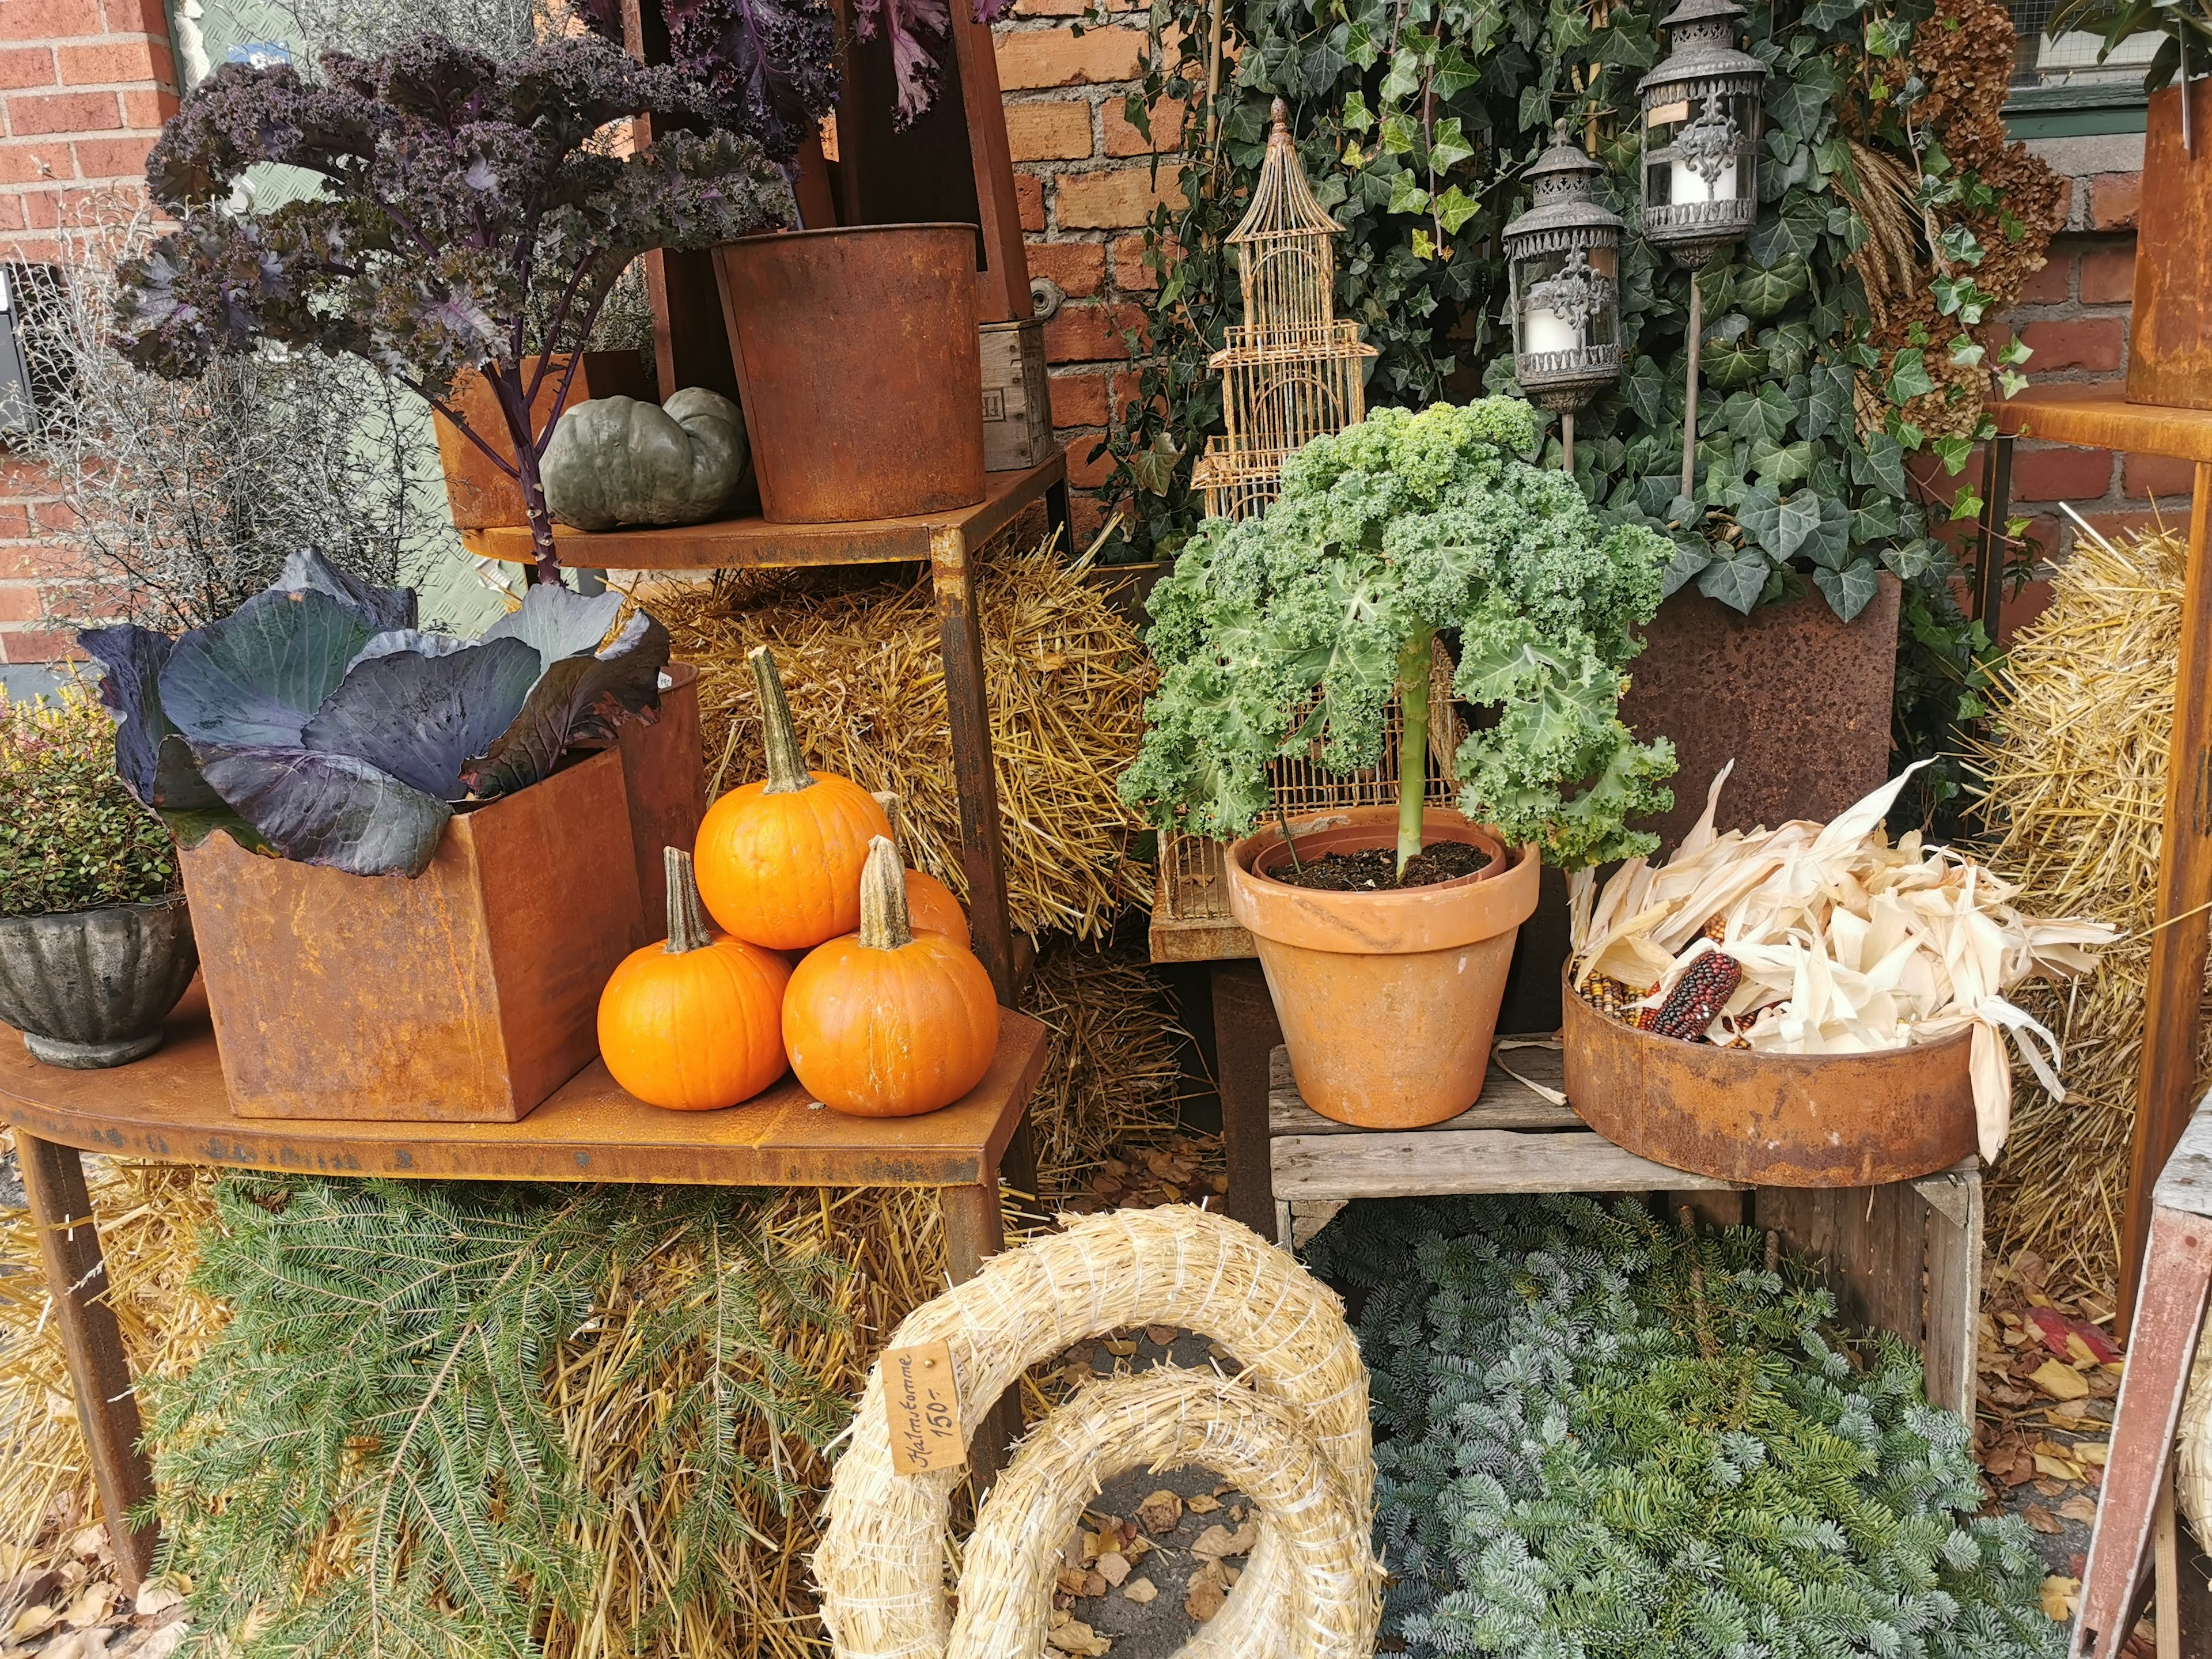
(1667, 114)
(923, 1402)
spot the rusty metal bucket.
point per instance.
(860, 369)
(1771, 1119)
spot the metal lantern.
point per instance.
(1701, 110)
(1563, 257)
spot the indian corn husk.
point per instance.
(1066, 679)
(1846, 943)
(2076, 777)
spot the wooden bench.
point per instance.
(1903, 1258)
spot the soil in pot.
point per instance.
(1374, 870)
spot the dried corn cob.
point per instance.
(1698, 997)
(1611, 997)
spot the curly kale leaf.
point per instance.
(1277, 634)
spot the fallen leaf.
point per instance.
(1113, 1567)
(1120, 1346)
(1159, 1512)
(2059, 1598)
(2092, 1451)
(91, 1605)
(2058, 1468)
(1217, 1540)
(161, 1644)
(2083, 1509)
(1070, 1579)
(1078, 1638)
(1207, 1590)
(1204, 1503)
(1141, 1590)
(34, 1621)
(1161, 1335)
(91, 1542)
(2041, 1519)
(157, 1596)
(2058, 1380)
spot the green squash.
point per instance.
(618, 461)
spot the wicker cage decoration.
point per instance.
(1291, 372)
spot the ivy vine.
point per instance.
(1847, 353)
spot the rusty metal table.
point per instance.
(172, 1106)
(945, 541)
(2100, 417)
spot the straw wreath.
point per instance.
(1314, 1595)
(881, 1567)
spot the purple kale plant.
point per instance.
(473, 216)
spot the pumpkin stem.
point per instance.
(687, 916)
(888, 800)
(787, 767)
(885, 924)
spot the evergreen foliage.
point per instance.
(1598, 1437)
(367, 1460)
(71, 838)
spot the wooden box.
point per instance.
(478, 493)
(2170, 330)
(468, 993)
(1017, 397)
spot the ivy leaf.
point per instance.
(1453, 209)
(1968, 352)
(1796, 520)
(1915, 559)
(1455, 73)
(1397, 135)
(1823, 16)
(1692, 554)
(1535, 109)
(1829, 543)
(1406, 195)
(1782, 465)
(1647, 387)
(1763, 417)
(1803, 108)
(1828, 409)
(1154, 468)
(1766, 293)
(1876, 521)
(1885, 37)
(1357, 118)
(1448, 147)
(1736, 582)
(1404, 79)
(1758, 511)
(1908, 376)
(1731, 362)
(1849, 589)
(2011, 382)
(1953, 452)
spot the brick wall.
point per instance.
(1084, 178)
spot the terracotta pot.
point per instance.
(1771, 1119)
(479, 494)
(1388, 1000)
(2170, 328)
(861, 369)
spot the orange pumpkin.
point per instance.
(697, 1023)
(890, 1023)
(930, 906)
(780, 861)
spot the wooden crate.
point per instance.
(1903, 1258)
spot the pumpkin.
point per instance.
(780, 861)
(695, 1023)
(890, 1023)
(615, 461)
(930, 906)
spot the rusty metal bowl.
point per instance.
(1769, 1120)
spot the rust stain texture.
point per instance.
(664, 772)
(2170, 333)
(1799, 700)
(1771, 1119)
(861, 368)
(480, 495)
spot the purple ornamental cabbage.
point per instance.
(317, 723)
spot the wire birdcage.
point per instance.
(1291, 372)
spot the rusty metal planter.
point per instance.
(665, 774)
(2170, 329)
(1771, 1119)
(465, 994)
(861, 369)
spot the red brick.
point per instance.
(2090, 343)
(1131, 274)
(1078, 268)
(115, 62)
(2114, 199)
(38, 250)
(1123, 137)
(2157, 475)
(49, 20)
(111, 158)
(15, 521)
(1083, 472)
(43, 208)
(2021, 609)
(1049, 131)
(2108, 276)
(1055, 58)
(23, 645)
(2065, 201)
(1029, 196)
(2113, 525)
(1114, 199)
(11, 213)
(43, 561)
(2060, 475)
(2049, 285)
(19, 602)
(145, 112)
(1078, 400)
(23, 164)
(1127, 384)
(63, 112)
(57, 516)
(27, 66)
(138, 17)
(1088, 515)
(1070, 8)
(1089, 333)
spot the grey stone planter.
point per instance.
(89, 988)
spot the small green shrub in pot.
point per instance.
(95, 945)
(1294, 630)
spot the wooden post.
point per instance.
(974, 1232)
(99, 1374)
(1996, 501)
(1245, 1034)
(967, 706)
(2163, 1102)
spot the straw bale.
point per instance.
(2075, 777)
(1066, 677)
(881, 1567)
(1311, 1589)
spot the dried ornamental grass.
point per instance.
(1312, 1587)
(1112, 1066)
(881, 1567)
(1065, 676)
(2077, 778)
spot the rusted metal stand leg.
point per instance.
(1056, 516)
(106, 1408)
(982, 854)
(2170, 1310)
(974, 1232)
(1245, 1033)
(2163, 1102)
(1988, 541)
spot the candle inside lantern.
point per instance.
(1545, 330)
(1686, 185)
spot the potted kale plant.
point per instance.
(410, 856)
(472, 218)
(95, 940)
(1386, 932)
